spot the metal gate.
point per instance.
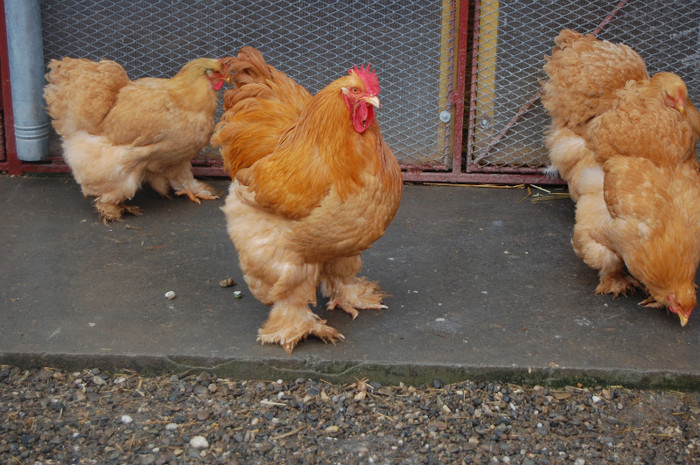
(460, 79)
(506, 120)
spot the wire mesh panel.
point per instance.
(507, 122)
(408, 42)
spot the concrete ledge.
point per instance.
(484, 285)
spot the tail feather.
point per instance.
(263, 104)
(79, 93)
(248, 67)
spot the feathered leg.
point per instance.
(111, 205)
(613, 275)
(345, 290)
(183, 183)
(160, 184)
(290, 285)
(291, 321)
(276, 273)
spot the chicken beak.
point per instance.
(683, 318)
(374, 101)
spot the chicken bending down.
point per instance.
(117, 133)
(625, 144)
(313, 185)
(654, 226)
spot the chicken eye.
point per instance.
(355, 90)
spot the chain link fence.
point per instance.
(507, 123)
(408, 42)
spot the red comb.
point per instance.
(369, 77)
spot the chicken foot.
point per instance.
(290, 322)
(194, 190)
(110, 211)
(195, 196)
(347, 291)
(358, 294)
(616, 284)
(651, 302)
(183, 183)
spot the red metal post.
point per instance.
(12, 164)
(458, 95)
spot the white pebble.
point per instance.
(126, 419)
(171, 427)
(170, 295)
(199, 442)
(237, 294)
(580, 462)
(596, 399)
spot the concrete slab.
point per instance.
(484, 285)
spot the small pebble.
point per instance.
(170, 295)
(199, 442)
(126, 419)
(228, 282)
(237, 294)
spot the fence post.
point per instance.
(26, 57)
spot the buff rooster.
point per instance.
(117, 133)
(314, 184)
(625, 144)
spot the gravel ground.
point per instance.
(51, 416)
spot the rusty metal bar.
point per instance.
(462, 25)
(472, 84)
(482, 178)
